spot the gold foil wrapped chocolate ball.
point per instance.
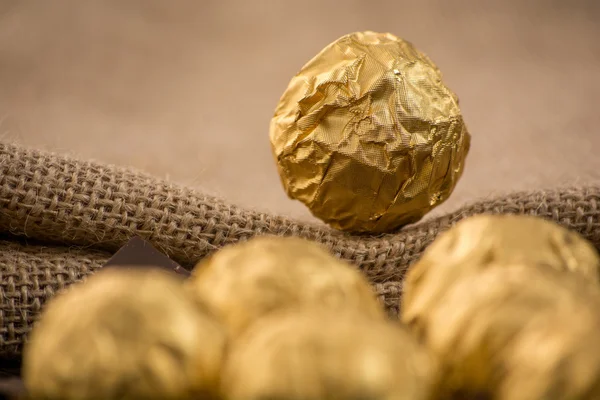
(517, 332)
(315, 354)
(367, 136)
(244, 282)
(124, 334)
(478, 242)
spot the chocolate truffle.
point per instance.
(246, 281)
(316, 354)
(368, 136)
(517, 332)
(124, 334)
(477, 242)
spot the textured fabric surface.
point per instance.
(87, 211)
(59, 199)
(29, 276)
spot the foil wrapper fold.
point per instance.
(512, 331)
(125, 333)
(245, 282)
(308, 353)
(367, 136)
(480, 242)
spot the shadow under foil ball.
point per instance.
(244, 282)
(367, 136)
(315, 354)
(124, 334)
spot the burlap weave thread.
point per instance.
(84, 211)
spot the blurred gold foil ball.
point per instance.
(124, 334)
(316, 354)
(517, 332)
(367, 136)
(246, 281)
(478, 242)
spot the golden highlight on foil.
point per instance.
(310, 353)
(516, 332)
(367, 136)
(243, 283)
(126, 333)
(481, 241)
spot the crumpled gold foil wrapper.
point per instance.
(517, 332)
(316, 354)
(243, 283)
(478, 242)
(367, 135)
(126, 334)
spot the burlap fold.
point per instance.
(55, 198)
(64, 203)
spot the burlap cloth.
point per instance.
(62, 219)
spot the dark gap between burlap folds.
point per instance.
(88, 211)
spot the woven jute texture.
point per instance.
(30, 274)
(54, 198)
(85, 211)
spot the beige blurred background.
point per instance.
(185, 89)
